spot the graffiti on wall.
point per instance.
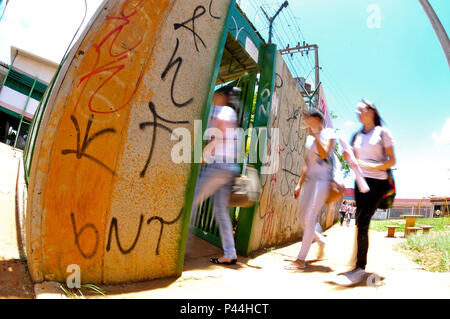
(109, 134)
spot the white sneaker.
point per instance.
(350, 278)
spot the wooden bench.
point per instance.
(391, 230)
(412, 230)
(426, 228)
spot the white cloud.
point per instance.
(443, 137)
(44, 27)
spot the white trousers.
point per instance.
(313, 197)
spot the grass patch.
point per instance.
(439, 224)
(431, 251)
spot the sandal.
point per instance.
(216, 261)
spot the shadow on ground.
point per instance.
(371, 280)
(15, 281)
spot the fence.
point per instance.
(396, 212)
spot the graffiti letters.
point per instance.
(113, 228)
(80, 151)
(79, 233)
(198, 12)
(155, 124)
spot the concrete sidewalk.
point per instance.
(390, 274)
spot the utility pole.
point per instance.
(305, 48)
(438, 28)
(271, 20)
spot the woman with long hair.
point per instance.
(373, 147)
(314, 184)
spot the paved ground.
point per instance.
(391, 275)
(14, 279)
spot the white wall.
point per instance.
(43, 71)
(15, 101)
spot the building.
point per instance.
(23, 83)
(404, 206)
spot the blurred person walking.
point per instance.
(220, 168)
(373, 147)
(350, 212)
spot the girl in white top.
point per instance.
(373, 148)
(314, 183)
(216, 176)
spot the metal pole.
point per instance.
(6, 76)
(438, 28)
(23, 112)
(271, 20)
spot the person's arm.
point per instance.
(382, 166)
(301, 180)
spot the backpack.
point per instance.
(389, 196)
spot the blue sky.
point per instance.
(399, 66)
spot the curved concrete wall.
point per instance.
(103, 191)
(276, 220)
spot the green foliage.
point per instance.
(433, 250)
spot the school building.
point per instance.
(22, 85)
(428, 207)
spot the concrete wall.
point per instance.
(103, 191)
(276, 220)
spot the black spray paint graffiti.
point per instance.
(78, 234)
(210, 11)
(155, 124)
(293, 142)
(80, 151)
(114, 228)
(198, 12)
(178, 62)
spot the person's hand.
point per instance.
(297, 191)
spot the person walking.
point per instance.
(350, 212)
(217, 175)
(343, 211)
(314, 184)
(373, 147)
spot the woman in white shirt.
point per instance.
(314, 183)
(220, 169)
(373, 148)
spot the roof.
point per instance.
(32, 56)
